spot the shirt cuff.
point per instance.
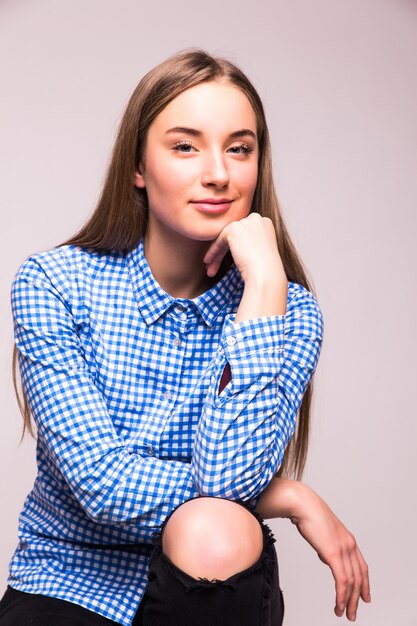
(261, 333)
(254, 349)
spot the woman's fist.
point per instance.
(253, 244)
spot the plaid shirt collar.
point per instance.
(153, 301)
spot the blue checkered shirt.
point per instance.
(122, 381)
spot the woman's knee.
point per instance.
(212, 538)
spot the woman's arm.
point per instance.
(333, 542)
(112, 484)
(271, 346)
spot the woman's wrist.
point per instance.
(262, 299)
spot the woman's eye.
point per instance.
(243, 148)
(184, 146)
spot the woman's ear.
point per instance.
(139, 179)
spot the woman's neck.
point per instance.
(176, 263)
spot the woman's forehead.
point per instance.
(208, 106)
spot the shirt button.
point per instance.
(231, 341)
(177, 342)
(183, 316)
(167, 395)
(179, 308)
(150, 451)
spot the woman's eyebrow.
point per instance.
(243, 132)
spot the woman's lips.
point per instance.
(212, 207)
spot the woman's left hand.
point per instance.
(337, 547)
(333, 542)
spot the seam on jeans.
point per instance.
(267, 590)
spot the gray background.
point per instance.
(339, 83)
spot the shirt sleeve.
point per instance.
(244, 430)
(111, 484)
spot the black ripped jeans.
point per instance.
(251, 597)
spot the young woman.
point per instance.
(166, 354)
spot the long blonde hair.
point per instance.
(120, 218)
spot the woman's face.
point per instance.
(200, 163)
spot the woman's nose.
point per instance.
(215, 171)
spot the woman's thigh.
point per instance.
(29, 609)
(250, 597)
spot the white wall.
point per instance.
(338, 79)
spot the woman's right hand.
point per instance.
(333, 542)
